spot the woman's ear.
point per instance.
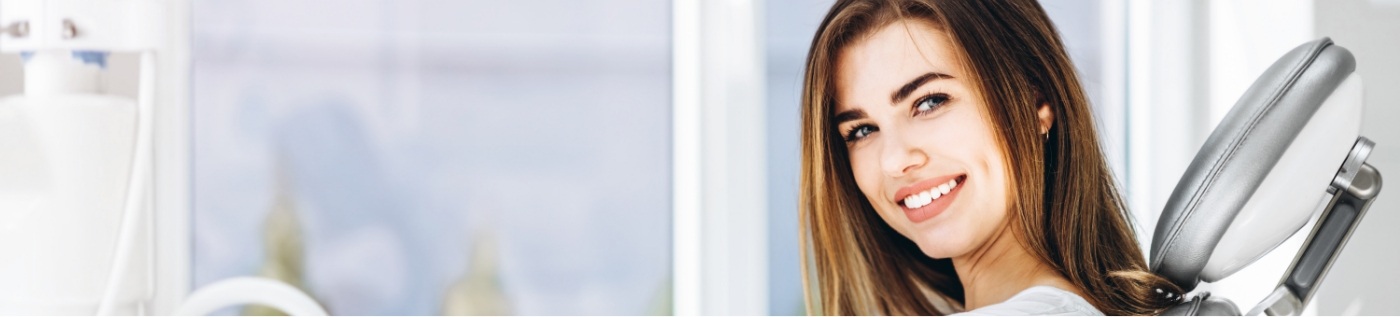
(1047, 118)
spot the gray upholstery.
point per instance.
(1238, 155)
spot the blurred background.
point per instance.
(626, 157)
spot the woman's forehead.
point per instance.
(878, 64)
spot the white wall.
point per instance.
(1365, 279)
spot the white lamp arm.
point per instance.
(249, 290)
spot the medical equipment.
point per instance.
(76, 169)
(1291, 144)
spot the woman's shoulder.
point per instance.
(1039, 301)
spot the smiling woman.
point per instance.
(950, 164)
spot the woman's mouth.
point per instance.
(927, 199)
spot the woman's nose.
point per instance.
(899, 156)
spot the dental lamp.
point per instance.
(1292, 143)
(76, 169)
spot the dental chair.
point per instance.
(1289, 152)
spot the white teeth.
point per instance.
(919, 200)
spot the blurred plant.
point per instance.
(661, 305)
(282, 244)
(479, 291)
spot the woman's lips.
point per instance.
(925, 200)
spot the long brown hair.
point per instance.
(1070, 213)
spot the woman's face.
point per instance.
(921, 148)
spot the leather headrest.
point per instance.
(1240, 153)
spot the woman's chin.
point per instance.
(941, 244)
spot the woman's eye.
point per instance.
(930, 103)
(860, 132)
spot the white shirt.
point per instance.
(1038, 301)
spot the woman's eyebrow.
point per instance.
(909, 88)
(849, 115)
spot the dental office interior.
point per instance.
(548, 157)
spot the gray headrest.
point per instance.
(1239, 154)
(1203, 305)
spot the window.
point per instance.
(436, 157)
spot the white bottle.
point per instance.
(65, 162)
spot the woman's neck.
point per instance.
(1001, 268)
